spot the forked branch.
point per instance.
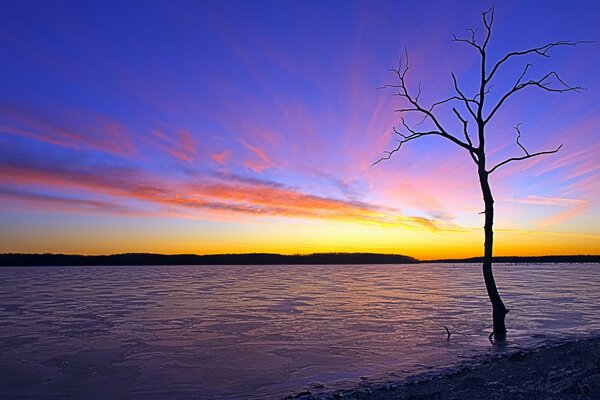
(540, 51)
(415, 106)
(404, 139)
(527, 153)
(488, 21)
(465, 124)
(519, 137)
(544, 83)
(464, 98)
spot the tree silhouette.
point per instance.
(475, 109)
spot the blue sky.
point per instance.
(252, 126)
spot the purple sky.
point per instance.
(229, 126)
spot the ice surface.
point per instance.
(228, 332)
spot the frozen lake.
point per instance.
(239, 332)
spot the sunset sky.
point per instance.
(251, 126)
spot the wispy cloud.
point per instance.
(562, 216)
(181, 145)
(221, 157)
(97, 133)
(257, 165)
(69, 204)
(550, 201)
(211, 193)
(550, 233)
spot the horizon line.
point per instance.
(141, 258)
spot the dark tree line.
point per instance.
(193, 259)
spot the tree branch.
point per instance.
(519, 137)
(527, 66)
(464, 98)
(405, 138)
(541, 51)
(488, 21)
(527, 154)
(488, 25)
(542, 83)
(472, 41)
(465, 123)
(417, 107)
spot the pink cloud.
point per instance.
(65, 204)
(563, 216)
(221, 157)
(256, 166)
(181, 145)
(550, 201)
(102, 133)
(212, 196)
(263, 162)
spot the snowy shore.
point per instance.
(564, 371)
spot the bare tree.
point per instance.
(474, 109)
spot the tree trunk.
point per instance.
(499, 311)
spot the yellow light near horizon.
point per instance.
(302, 237)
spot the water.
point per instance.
(239, 332)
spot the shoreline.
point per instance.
(125, 259)
(558, 370)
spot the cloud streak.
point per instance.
(224, 194)
(100, 133)
(66, 203)
(257, 165)
(181, 145)
(221, 158)
(549, 201)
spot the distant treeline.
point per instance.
(527, 260)
(13, 259)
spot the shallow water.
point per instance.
(229, 332)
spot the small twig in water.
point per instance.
(585, 389)
(447, 331)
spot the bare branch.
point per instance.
(464, 98)
(488, 21)
(405, 138)
(398, 132)
(519, 137)
(523, 73)
(461, 98)
(434, 105)
(465, 123)
(489, 89)
(472, 41)
(473, 34)
(527, 154)
(416, 134)
(541, 51)
(448, 332)
(523, 158)
(418, 93)
(407, 128)
(542, 83)
(417, 107)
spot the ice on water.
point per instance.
(211, 332)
